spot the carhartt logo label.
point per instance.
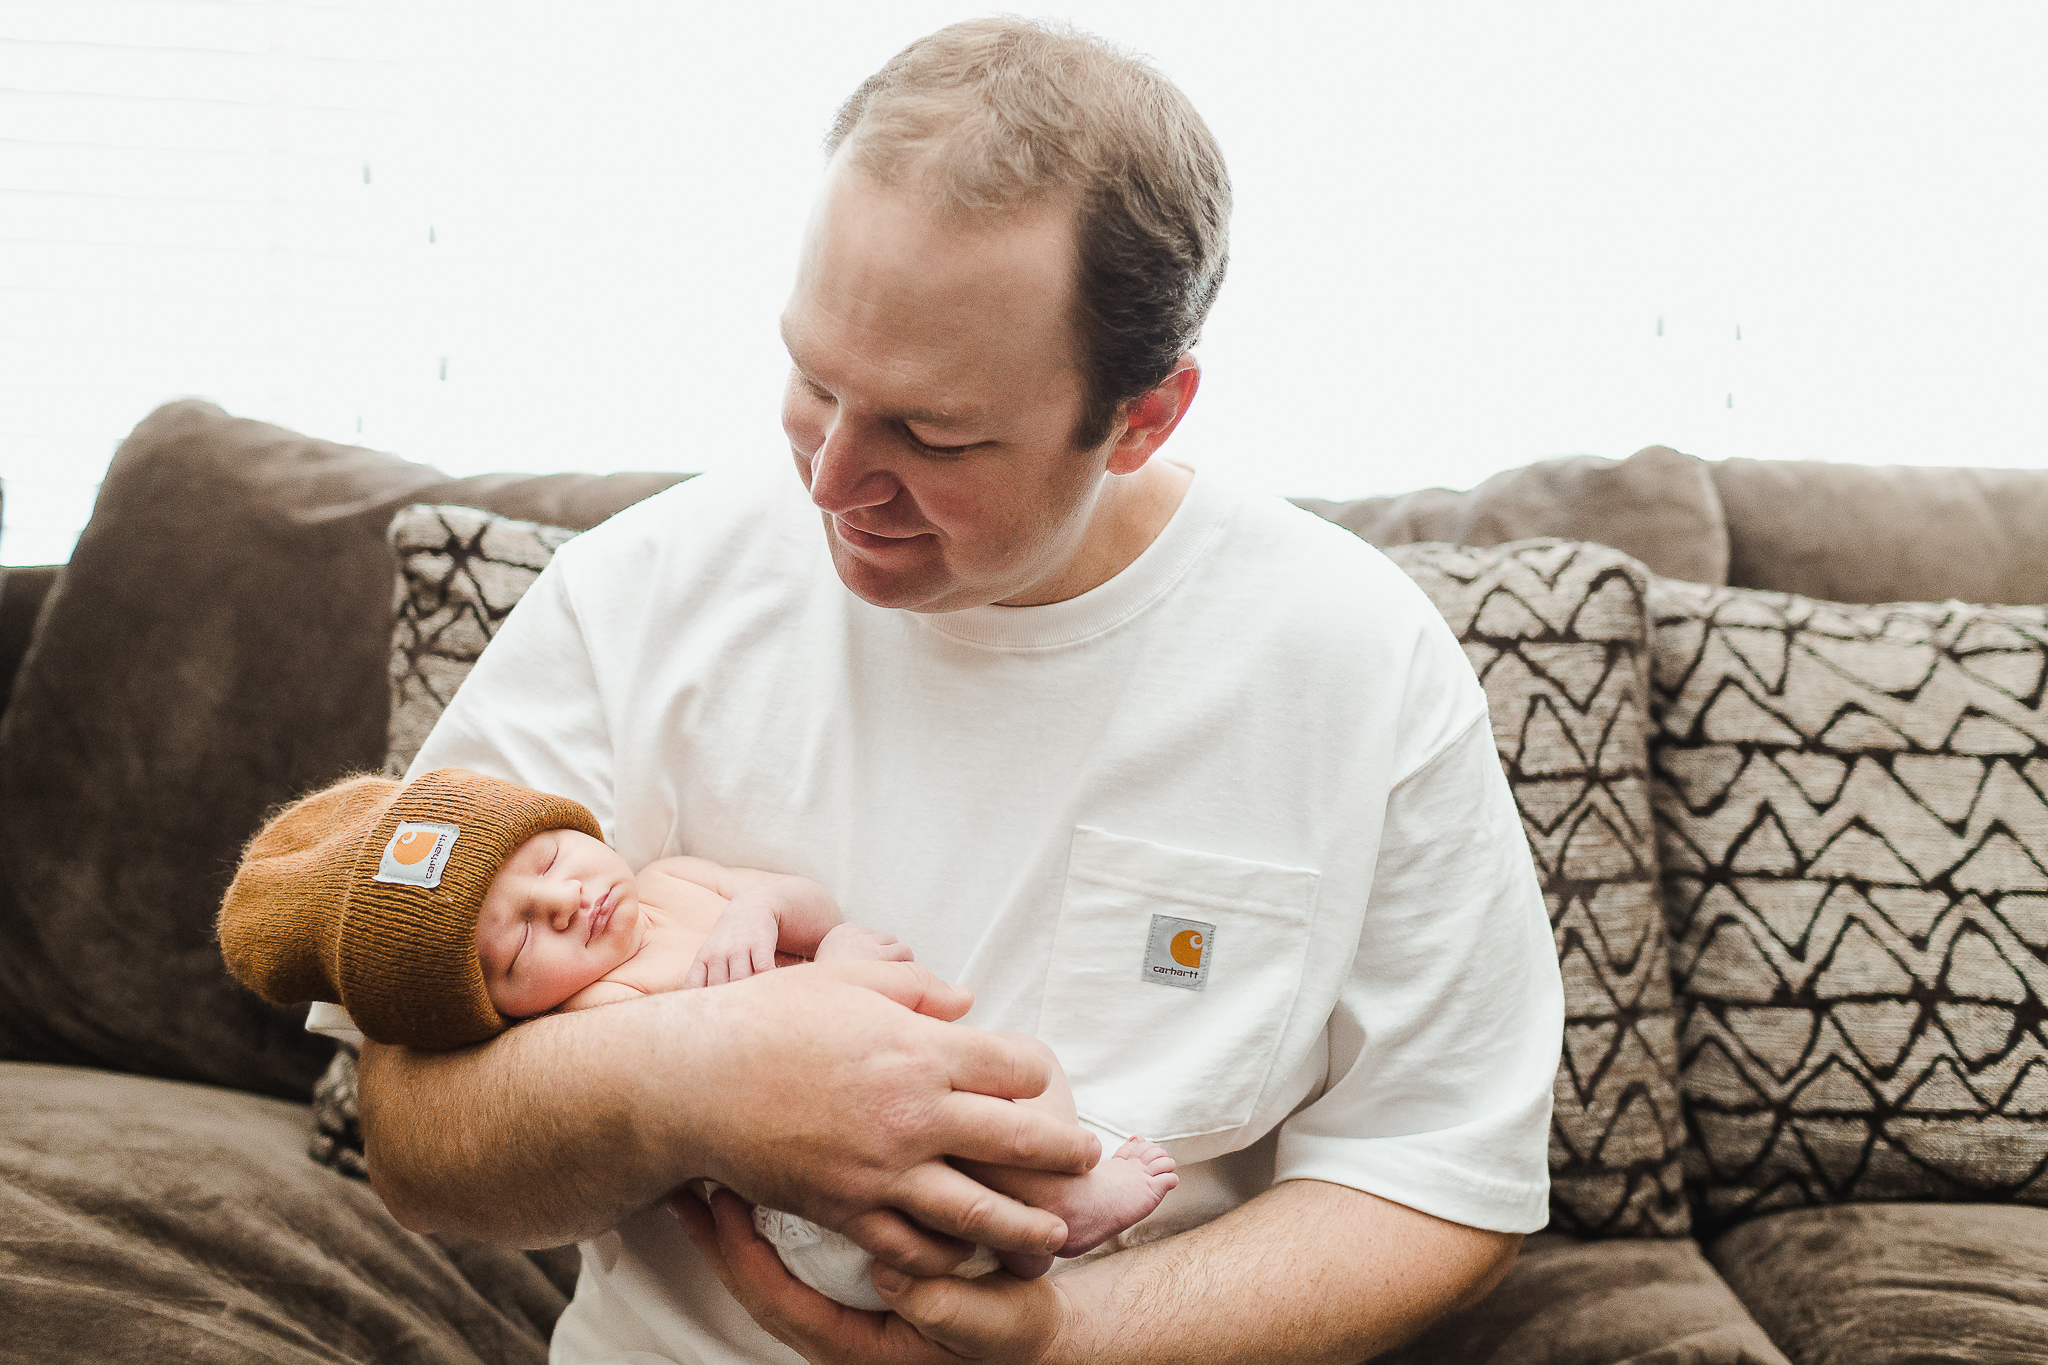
(1179, 952)
(416, 854)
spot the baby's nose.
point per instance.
(563, 900)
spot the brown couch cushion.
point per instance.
(1567, 1302)
(1657, 505)
(217, 645)
(154, 1221)
(1867, 1284)
(1558, 635)
(1853, 804)
(1886, 533)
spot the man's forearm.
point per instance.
(544, 1135)
(1306, 1272)
(564, 1126)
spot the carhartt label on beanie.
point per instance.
(417, 852)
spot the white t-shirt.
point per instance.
(1227, 832)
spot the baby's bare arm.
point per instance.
(769, 919)
(786, 913)
(804, 911)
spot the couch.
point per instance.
(1794, 846)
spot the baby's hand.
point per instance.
(853, 943)
(740, 944)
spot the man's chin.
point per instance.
(909, 587)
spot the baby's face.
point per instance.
(562, 912)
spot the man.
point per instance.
(1192, 786)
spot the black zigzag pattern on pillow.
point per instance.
(337, 1132)
(460, 573)
(1558, 635)
(1855, 853)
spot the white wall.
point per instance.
(1458, 227)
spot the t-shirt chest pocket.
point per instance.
(1173, 975)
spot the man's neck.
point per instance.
(1132, 511)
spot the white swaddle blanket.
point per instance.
(834, 1264)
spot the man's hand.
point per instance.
(809, 1052)
(750, 1085)
(995, 1318)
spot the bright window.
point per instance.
(552, 236)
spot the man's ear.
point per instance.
(1151, 417)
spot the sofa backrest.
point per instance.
(1657, 505)
(1885, 533)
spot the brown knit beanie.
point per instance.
(366, 894)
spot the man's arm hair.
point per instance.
(1311, 1272)
(479, 1141)
(1308, 1271)
(1338, 1276)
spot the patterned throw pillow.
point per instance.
(1854, 837)
(337, 1131)
(460, 573)
(1557, 633)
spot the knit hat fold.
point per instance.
(366, 894)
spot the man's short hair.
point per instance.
(993, 113)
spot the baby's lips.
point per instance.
(601, 914)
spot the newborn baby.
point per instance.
(440, 911)
(566, 925)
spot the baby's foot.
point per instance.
(1116, 1194)
(1095, 1207)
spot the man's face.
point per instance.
(933, 395)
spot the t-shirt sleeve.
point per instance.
(531, 710)
(1445, 1040)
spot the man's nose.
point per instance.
(850, 470)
